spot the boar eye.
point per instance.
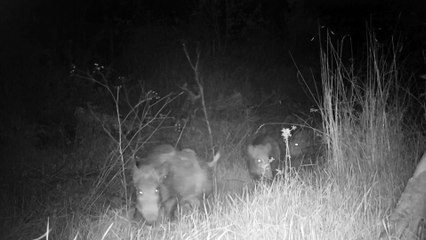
(139, 192)
(259, 160)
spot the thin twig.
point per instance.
(195, 68)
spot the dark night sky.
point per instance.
(42, 39)
(54, 24)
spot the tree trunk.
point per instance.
(407, 221)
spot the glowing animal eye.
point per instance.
(157, 190)
(259, 160)
(140, 192)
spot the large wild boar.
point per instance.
(167, 176)
(304, 146)
(147, 175)
(263, 158)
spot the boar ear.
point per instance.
(134, 167)
(135, 171)
(251, 150)
(266, 148)
(138, 161)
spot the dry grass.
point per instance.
(371, 152)
(300, 207)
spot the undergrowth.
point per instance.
(371, 146)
